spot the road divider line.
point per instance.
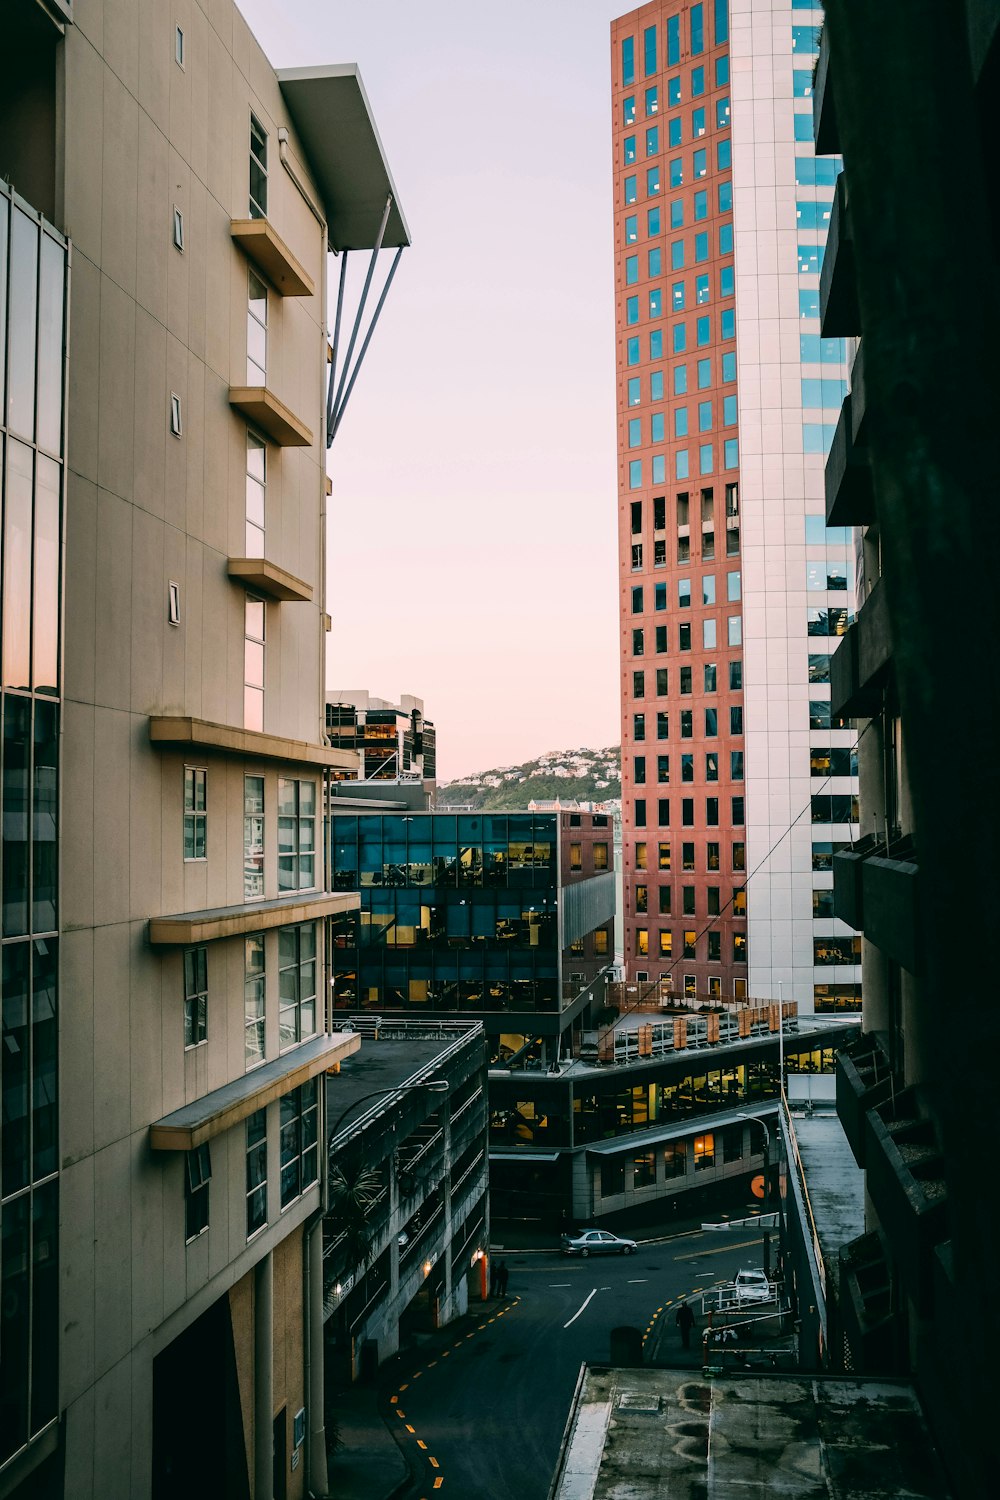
(637, 1281)
(720, 1250)
(558, 1285)
(583, 1306)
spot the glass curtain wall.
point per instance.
(33, 270)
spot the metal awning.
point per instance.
(334, 122)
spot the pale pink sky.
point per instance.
(473, 555)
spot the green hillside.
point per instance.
(571, 775)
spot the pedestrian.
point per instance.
(685, 1322)
(503, 1276)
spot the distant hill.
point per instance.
(570, 775)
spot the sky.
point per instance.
(473, 518)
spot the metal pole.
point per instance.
(361, 304)
(342, 407)
(336, 346)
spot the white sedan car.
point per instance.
(596, 1242)
(753, 1286)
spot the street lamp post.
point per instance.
(766, 1238)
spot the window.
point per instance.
(640, 856)
(701, 204)
(688, 900)
(176, 426)
(661, 682)
(628, 60)
(638, 722)
(712, 812)
(708, 635)
(687, 767)
(635, 433)
(726, 241)
(675, 1159)
(253, 999)
(680, 421)
(673, 41)
(736, 719)
(703, 331)
(690, 943)
(704, 1152)
(642, 940)
(638, 640)
(735, 764)
(663, 768)
(173, 604)
(631, 270)
(253, 664)
(656, 302)
(256, 493)
(600, 856)
(727, 281)
(712, 767)
(677, 172)
(628, 110)
(681, 463)
(696, 17)
(687, 812)
(656, 386)
(636, 556)
(701, 291)
(256, 1188)
(638, 776)
(652, 100)
(195, 813)
(601, 941)
(734, 630)
(253, 838)
(631, 229)
(663, 859)
(652, 230)
(296, 835)
(299, 1141)
(641, 898)
(710, 677)
(652, 140)
(612, 1177)
(714, 954)
(700, 164)
(738, 818)
(296, 984)
(697, 122)
(640, 812)
(724, 154)
(729, 419)
(634, 391)
(197, 1175)
(656, 344)
(652, 181)
(178, 46)
(631, 188)
(712, 858)
(258, 169)
(739, 856)
(677, 214)
(178, 229)
(662, 725)
(675, 131)
(663, 812)
(256, 330)
(195, 996)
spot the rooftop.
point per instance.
(675, 1435)
(389, 1063)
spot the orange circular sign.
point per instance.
(757, 1185)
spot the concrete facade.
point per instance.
(191, 925)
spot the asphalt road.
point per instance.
(482, 1417)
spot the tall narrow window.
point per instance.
(296, 835)
(198, 1173)
(299, 1141)
(258, 169)
(296, 984)
(256, 1171)
(256, 494)
(253, 999)
(256, 330)
(253, 838)
(179, 46)
(253, 664)
(195, 813)
(195, 996)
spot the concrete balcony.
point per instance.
(182, 732)
(850, 496)
(219, 922)
(270, 416)
(838, 293)
(261, 243)
(906, 1183)
(848, 903)
(864, 1080)
(824, 111)
(267, 578)
(866, 1305)
(859, 401)
(874, 638)
(890, 898)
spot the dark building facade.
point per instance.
(505, 917)
(916, 1092)
(394, 740)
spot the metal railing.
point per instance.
(788, 1130)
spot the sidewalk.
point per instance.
(370, 1465)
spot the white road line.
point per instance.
(582, 1307)
(553, 1284)
(638, 1281)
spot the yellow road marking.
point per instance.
(720, 1250)
(421, 1444)
(417, 1374)
(401, 1413)
(409, 1428)
(431, 1364)
(433, 1461)
(405, 1387)
(445, 1354)
(439, 1481)
(393, 1400)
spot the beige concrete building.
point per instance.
(167, 204)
